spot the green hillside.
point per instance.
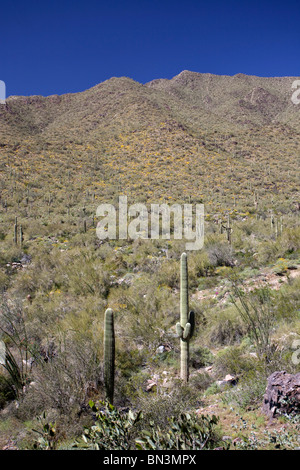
(229, 142)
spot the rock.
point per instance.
(152, 383)
(229, 380)
(10, 446)
(26, 259)
(163, 348)
(237, 440)
(282, 394)
(29, 363)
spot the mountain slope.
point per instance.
(241, 99)
(216, 139)
(192, 99)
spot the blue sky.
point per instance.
(50, 47)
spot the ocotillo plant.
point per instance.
(186, 326)
(109, 355)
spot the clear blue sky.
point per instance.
(50, 47)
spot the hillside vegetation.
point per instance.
(231, 143)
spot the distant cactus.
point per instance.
(21, 236)
(109, 355)
(227, 228)
(16, 231)
(186, 326)
(272, 221)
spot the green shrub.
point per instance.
(249, 391)
(113, 429)
(224, 327)
(233, 360)
(186, 432)
(200, 357)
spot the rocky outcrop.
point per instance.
(282, 394)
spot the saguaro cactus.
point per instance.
(186, 326)
(21, 236)
(16, 231)
(109, 355)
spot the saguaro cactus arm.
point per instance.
(186, 332)
(179, 330)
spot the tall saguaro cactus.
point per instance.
(109, 355)
(185, 328)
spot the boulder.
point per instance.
(228, 381)
(282, 396)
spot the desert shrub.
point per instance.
(220, 254)
(142, 255)
(47, 436)
(169, 274)
(4, 282)
(201, 381)
(267, 252)
(86, 275)
(233, 360)
(161, 405)
(40, 275)
(257, 311)
(186, 432)
(248, 392)
(290, 241)
(287, 245)
(68, 374)
(224, 327)
(6, 392)
(199, 266)
(115, 429)
(112, 430)
(149, 311)
(128, 359)
(287, 301)
(13, 333)
(213, 389)
(200, 357)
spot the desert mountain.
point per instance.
(196, 101)
(217, 139)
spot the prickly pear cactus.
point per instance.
(109, 355)
(185, 328)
